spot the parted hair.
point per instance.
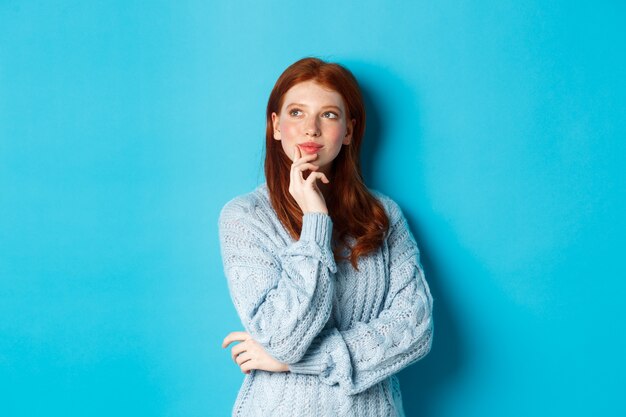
(355, 212)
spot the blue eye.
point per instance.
(330, 115)
(295, 112)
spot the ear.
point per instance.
(349, 129)
(276, 126)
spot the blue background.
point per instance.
(499, 127)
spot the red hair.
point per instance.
(355, 212)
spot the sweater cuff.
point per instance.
(317, 227)
(314, 361)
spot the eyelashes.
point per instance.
(295, 112)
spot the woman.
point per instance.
(324, 273)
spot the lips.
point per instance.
(310, 147)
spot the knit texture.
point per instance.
(343, 332)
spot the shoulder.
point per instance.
(243, 206)
(393, 210)
(250, 212)
(399, 230)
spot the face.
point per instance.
(313, 118)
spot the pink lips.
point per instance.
(310, 147)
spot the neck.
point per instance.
(326, 169)
(325, 189)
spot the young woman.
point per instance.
(324, 273)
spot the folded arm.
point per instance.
(401, 334)
(283, 296)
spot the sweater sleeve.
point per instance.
(368, 352)
(283, 296)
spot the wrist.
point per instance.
(314, 208)
(317, 227)
(318, 210)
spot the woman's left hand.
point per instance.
(249, 354)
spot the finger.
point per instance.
(248, 366)
(238, 349)
(313, 176)
(235, 337)
(295, 176)
(304, 167)
(306, 158)
(243, 358)
(297, 168)
(296, 153)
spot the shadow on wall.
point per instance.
(388, 100)
(423, 381)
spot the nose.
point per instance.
(312, 127)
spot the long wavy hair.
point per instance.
(355, 212)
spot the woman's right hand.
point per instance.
(305, 191)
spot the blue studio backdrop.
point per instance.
(125, 126)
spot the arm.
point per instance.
(283, 297)
(367, 353)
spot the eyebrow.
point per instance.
(323, 107)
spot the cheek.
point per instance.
(288, 131)
(288, 135)
(336, 133)
(287, 148)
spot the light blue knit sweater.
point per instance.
(343, 332)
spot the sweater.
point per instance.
(343, 332)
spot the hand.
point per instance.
(249, 354)
(305, 192)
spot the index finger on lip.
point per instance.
(305, 158)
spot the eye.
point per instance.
(330, 115)
(295, 112)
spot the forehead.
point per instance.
(313, 94)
